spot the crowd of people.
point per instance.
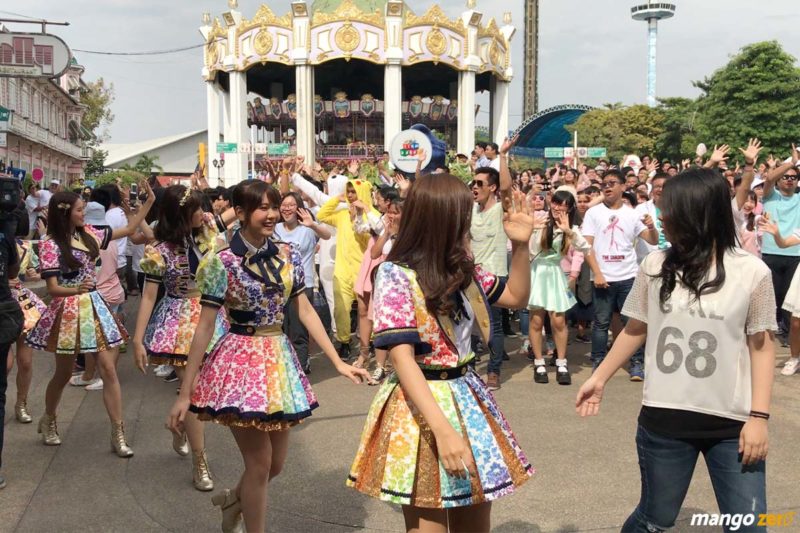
(404, 282)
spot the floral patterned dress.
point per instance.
(32, 306)
(397, 459)
(252, 377)
(171, 328)
(82, 323)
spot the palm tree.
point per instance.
(146, 164)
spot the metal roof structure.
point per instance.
(547, 129)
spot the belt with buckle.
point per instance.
(444, 374)
(256, 331)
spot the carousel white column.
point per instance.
(466, 112)
(466, 83)
(212, 110)
(499, 110)
(304, 84)
(236, 164)
(393, 73)
(392, 102)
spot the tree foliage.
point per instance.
(679, 138)
(622, 130)
(98, 97)
(145, 165)
(125, 177)
(96, 164)
(757, 94)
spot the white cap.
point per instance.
(756, 182)
(55, 182)
(95, 214)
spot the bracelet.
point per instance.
(759, 414)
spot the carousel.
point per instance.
(338, 79)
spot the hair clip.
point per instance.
(185, 197)
(63, 205)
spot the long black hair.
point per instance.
(698, 222)
(60, 229)
(178, 205)
(562, 198)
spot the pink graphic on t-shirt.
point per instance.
(612, 227)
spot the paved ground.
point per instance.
(587, 478)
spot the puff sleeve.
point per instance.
(49, 254)
(212, 280)
(395, 312)
(492, 286)
(103, 235)
(153, 264)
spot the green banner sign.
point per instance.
(598, 152)
(227, 148)
(278, 149)
(553, 153)
(5, 114)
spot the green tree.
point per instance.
(757, 94)
(96, 164)
(145, 165)
(98, 97)
(679, 139)
(622, 130)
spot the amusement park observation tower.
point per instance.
(338, 79)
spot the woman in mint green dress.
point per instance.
(550, 291)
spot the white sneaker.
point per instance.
(97, 384)
(525, 346)
(791, 366)
(163, 371)
(77, 381)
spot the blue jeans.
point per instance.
(667, 466)
(606, 302)
(524, 322)
(497, 340)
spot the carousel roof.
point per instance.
(330, 6)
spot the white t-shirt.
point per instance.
(31, 203)
(696, 352)
(44, 198)
(115, 218)
(614, 232)
(489, 239)
(495, 163)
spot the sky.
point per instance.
(591, 51)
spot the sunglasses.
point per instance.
(609, 184)
(792, 177)
(478, 184)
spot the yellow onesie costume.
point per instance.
(350, 248)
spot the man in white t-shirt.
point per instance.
(116, 218)
(493, 156)
(652, 207)
(34, 207)
(611, 228)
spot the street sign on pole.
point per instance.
(5, 117)
(278, 149)
(227, 148)
(597, 152)
(553, 153)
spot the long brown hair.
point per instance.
(60, 229)
(175, 218)
(432, 238)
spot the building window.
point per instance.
(12, 94)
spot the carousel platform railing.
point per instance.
(337, 152)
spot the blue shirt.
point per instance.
(306, 241)
(786, 211)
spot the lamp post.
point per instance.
(218, 164)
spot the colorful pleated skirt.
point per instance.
(253, 381)
(77, 324)
(549, 289)
(32, 306)
(170, 331)
(397, 459)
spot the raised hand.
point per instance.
(562, 222)
(518, 223)
(421, 155)
(508, 144)
(402, 182)
(772, 162)
(719, 154)
(353, 167)
(305, 217)
(751, 152)
(768, 226)
(795, 154)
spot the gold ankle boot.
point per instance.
(180, 444)
(21, 412)
(49, 430)
(231, 508)
(118, 444)
(201, 475)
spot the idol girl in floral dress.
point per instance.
(32, 308)
(165, 328)
(435, 440)
(78, 320)
(252, 380)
